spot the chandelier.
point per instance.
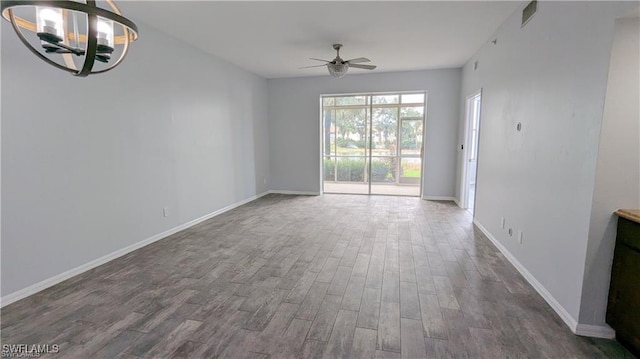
(78, 37)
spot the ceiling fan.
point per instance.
(339, 67)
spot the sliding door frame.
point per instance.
(369, 126)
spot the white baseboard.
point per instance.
(438, 198)
(571, 322)
(35, 288)
(455, 200)
(595, 331)
(302, 193)
(586, 330)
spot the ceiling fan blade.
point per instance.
(366, 67)
(311, 58)
(358, 60)
(306, 67)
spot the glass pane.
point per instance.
(329, 132)
(350, 126)
(411, 142)
(345, 175)
(328, 101)
(385, 122)
(383, 169)
(350, 100)
(351, 169)
(329, 172)
(385, 99)
(417, 111)
(410, 171)
(413, 98)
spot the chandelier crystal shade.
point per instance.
(78, 37)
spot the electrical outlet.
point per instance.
(165, 211)
(503, 222)
(510, 232)
(520, 237)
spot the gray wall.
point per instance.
(89, 163)
(294, 125)
(617, 183)
(550, 75)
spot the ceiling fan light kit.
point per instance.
(339, 67)
(338, 70)
(72, 35)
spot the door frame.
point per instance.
(467, 150)
(370, 122)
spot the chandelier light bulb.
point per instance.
(49, 21)
(105, 32)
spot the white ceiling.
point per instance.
(275, 39)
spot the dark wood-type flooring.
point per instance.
(306, 277)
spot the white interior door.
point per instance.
(474, 103)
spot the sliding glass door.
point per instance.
(372, 143)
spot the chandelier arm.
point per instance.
(72, 50)
(92, 42)
(75, 6)
(28, 45)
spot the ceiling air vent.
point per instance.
(529, 11)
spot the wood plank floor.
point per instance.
(333, 276)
